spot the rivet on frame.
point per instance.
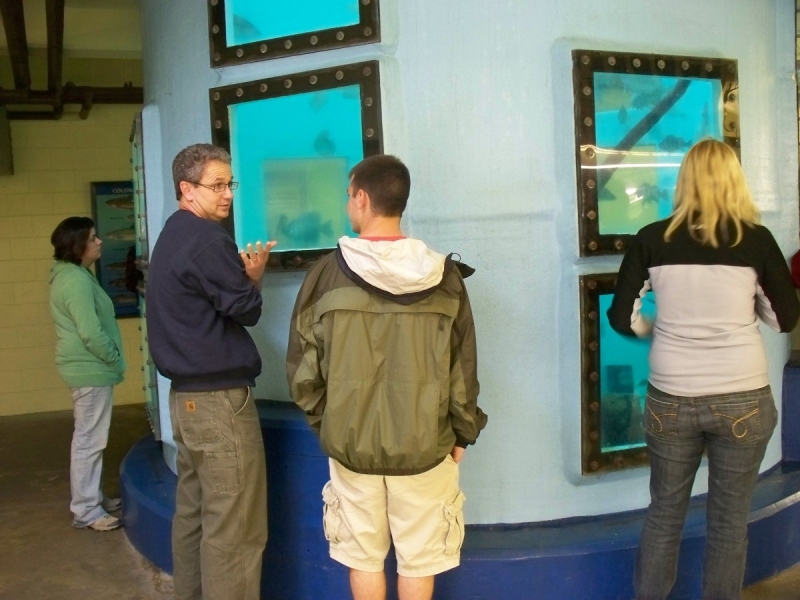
(594, 377)
(661, 64)
(585, 59)
(214, 2)
(340, 35)
(587, 91)
(592, 284)
(592, 246)
(592, 215)
(594, 436)
(218, 124)
(287, 44)
(367, 31)
(731, 68)
(612, 61)
(239, 92)
(593, 315)
(367, 101)
(263, 87)
(709, 67)
(313, 40)
(685, 65)
(594, 465)
(263, 48)
(637, 63)
(370, 132)
(287, 84)
(339, 75)
(313, 79)
(593, 346)
(215, 29)
(216, 57)
(589, 153)
(216, 96)
(594, 405)
(367, 71)
(365, 2)
(588, 121)
(618, 244)
(239, 52)
(590, 184)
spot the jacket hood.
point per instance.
(58, 266)
(404, 266)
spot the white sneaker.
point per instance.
(105, 523)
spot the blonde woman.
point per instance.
(714, 271)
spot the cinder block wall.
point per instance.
(54, 163)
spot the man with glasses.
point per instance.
(201, 294)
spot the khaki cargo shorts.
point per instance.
(422, 514)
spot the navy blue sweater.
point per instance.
(199, 301)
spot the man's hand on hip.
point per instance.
(457, 453)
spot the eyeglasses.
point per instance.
(219, 187)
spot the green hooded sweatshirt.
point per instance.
(89, 348)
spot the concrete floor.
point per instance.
(43, 558)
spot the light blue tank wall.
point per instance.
(477, 100)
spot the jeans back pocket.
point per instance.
(660, 416)
(738, 421)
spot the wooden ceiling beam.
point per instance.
(14, 24)
(55, 43)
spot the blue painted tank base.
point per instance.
(580, 558)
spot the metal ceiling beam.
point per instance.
(55, 43)
(14, 24)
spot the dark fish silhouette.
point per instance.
(318, 100)
(622, 115)
(244, 31)
(671, 143)
(645, 99)
(606, 195)
(323, 144)
(123, 235)
(305, 229)
(125, 202)
(647, 192)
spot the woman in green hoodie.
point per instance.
(90, 361)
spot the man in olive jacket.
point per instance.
(382, 359)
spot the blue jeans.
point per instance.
(219, 529)
(734, 429)
(92, 414)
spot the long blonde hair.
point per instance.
(712, 194)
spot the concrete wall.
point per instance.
(54, 161)
(477, 100)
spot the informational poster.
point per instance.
(113, 213)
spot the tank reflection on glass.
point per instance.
(623, 381)
(249, 21)
(644, 125)
(293, 155)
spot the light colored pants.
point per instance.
(220, 525)
(92, 413)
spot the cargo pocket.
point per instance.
(454, 515)
(660, 416)
(737, 421)
(224, 468)
(331, 519)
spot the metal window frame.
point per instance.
(366, 31)
(366, 74)
(588, 62)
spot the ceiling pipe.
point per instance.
(14, 24)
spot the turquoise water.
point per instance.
(642, 187)
(252, 21)
(623, 380)
(293, 155)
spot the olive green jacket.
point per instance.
(388, 382)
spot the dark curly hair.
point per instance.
(69, 239)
